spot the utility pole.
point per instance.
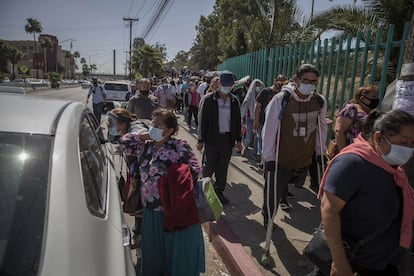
(313, 5)
(130, 20)
(126, 64)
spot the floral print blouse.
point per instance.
(154, 162)
(350, 111)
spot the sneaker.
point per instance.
(224, 200)
(284, 205)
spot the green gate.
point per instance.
(345, 63)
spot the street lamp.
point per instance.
(100, 67)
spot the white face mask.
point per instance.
(398, 155)
(306, 89)
(155, 133)
(258, 88)
(225, 90)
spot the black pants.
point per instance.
(97, 111)
(284, 177)
(192, 112)
(216, 160)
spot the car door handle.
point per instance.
(126, 235)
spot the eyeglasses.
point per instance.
(308, 81)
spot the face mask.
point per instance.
(114, 132)
(258, 88)
(145, 92)
(155, 133)
(306, 89)
(226, 90)
(398, 155)
(373, 103)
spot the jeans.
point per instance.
(250, 136)
(259, 140)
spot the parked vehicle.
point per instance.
(116, 92)
(85, 84)
(60, 209)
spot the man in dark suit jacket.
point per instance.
(219, 130)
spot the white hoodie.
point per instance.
(271, 125)
(250, 99)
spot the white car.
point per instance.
(116, 92)
(60, 209)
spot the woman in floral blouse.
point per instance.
(351, 118)
(163, 253)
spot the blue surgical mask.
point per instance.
(155, 133)
(398, 155)
(306, 89)
(226, 90)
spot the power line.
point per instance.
(155, 19)
(160, 21)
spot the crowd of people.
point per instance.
(284, 129)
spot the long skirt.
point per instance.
(170, 254)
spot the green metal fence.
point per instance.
(345, 63)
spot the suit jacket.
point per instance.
(208, 119)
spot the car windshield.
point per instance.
(24, 178)
(116, 86)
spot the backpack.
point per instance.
(286, 99)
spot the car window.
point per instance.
(116, 86)
(94, 170)
(24, 184)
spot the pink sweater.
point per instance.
(362, 148)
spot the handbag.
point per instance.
(318, 252)
(132, 202)
(208, 204)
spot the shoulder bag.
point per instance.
(318, 252)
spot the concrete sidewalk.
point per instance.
(239, 235)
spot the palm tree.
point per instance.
(33, 26)
(68, 56)
(14, 57)
(147, 61)
(76, 55)
(46, 44)
(351, 18)
(92, 67)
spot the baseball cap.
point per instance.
(227, 79)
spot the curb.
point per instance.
(228, 246)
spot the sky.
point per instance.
(97, 27)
